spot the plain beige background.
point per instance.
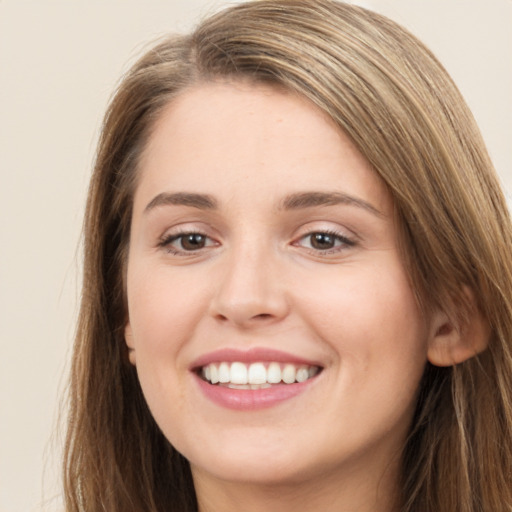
(59, 62)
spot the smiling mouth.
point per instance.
(259, 375)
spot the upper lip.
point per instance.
(252, 355)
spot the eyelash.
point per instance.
(167, 241)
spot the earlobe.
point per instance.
(128, 338)
(452, 342)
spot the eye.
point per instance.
(325, 241)
(186, 242)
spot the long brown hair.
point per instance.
(390, 95)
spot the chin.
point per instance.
(266, 472)
(260, 463)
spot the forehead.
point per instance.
(235, 138)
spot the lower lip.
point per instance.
(251, 399)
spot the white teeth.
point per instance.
(248, 386)
(214, 374)
(239, 386)
(274, 373)
(302, 375)
(224, 374)
(257, 374)
(260, 386)
(239, 375)
(289, 374)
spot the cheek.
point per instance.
(161, 315)
(370, 317)
(162, 321)
(372, 324)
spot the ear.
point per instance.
(452, 342)
(128, 338)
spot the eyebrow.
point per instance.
(303, 200)
(201, 201)
(297, 201)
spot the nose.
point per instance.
(250, 291)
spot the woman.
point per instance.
(297, 279)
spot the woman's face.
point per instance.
(263, 249)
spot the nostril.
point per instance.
(259, 317)
(263, 316)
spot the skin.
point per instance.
(259, 282)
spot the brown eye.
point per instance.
(322, 241)
(192, 241)
(183, 243)
(325, 242)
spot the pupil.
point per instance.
(193, 241)
(322, 241)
